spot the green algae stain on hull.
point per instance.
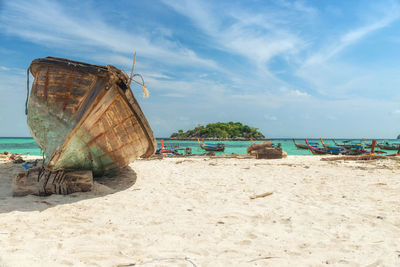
(47, 126)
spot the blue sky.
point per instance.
(290, 68)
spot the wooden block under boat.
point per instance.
(269, 153)
(43, 182)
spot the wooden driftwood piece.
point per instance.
(258, 146)
(261, 195)
(362, 157)
(43, 182)
(269, 153)
(265, 151)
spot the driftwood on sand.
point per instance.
(261, 146)
(261, 195)
(43, 182)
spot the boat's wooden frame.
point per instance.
(85, 117)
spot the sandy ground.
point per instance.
(198, 212)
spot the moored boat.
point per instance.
(387, 146)
(301, 146)
(367, 144)
(211, 146)
(85, 117)
(348, 144)
(340, 149)
(322, 151)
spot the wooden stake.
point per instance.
(261, 195)
(133, 66)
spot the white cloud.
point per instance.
(252, 35)
(391, 14)
(298, 93)
(48, 23)
(270, 117)
(157, 75)
(173, 95)
(241, 62)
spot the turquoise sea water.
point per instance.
(22, 145)
(30, 147)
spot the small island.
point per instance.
(220, 131)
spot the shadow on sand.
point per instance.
(102, 186)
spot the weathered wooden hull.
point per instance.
(85, 117)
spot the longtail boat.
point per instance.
(85, 117)
(211, 146)
(167, 151)
(301, 146)
(387, 146)
(322, 151)
(348, 144)
(367, 144)
(331, 146)
(373, 151)
(323, 144)
(335, 149)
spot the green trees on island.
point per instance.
(220, 130)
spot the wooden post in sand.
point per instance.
(43, 182)
(373, 147)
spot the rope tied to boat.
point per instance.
(118, 77)
(145, 91)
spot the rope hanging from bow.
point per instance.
(145, 91)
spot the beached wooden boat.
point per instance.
(85, 117)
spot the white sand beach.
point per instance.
(198, 212)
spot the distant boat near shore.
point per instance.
(29, 146)
(301, 146)
(387, 146)
(212, 146)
